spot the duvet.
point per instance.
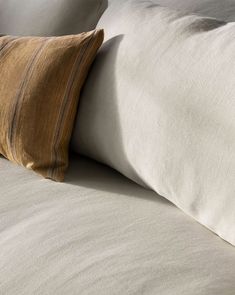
(99, 233)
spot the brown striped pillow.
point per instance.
(41, 79)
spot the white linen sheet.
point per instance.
(99, 233)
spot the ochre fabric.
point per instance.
(41, 79)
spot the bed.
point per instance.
(113, 228)
(100, 233)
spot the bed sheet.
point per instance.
(99, 233)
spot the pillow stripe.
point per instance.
(6, 45)
(18, 100)
(67, 102)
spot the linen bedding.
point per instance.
(158, 106)
(221, 9)
(99, 233)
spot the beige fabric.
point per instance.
(159, 107)
(40, 85)
(49, 17)
(99, 233)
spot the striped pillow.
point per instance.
(41, 79)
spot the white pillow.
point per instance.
(222, 9)
(53, 17)
(159, 106)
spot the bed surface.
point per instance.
(99, 233)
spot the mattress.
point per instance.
(99, 233)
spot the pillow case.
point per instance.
(40, 83)
(159, 107)
(224, 10)
(49, 18)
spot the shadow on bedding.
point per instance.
(88, 173)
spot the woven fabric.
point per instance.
(164, 82)
(40, 83)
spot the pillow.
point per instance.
(224, 10)
(40, 83)
(159, 107)
(49, 18)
